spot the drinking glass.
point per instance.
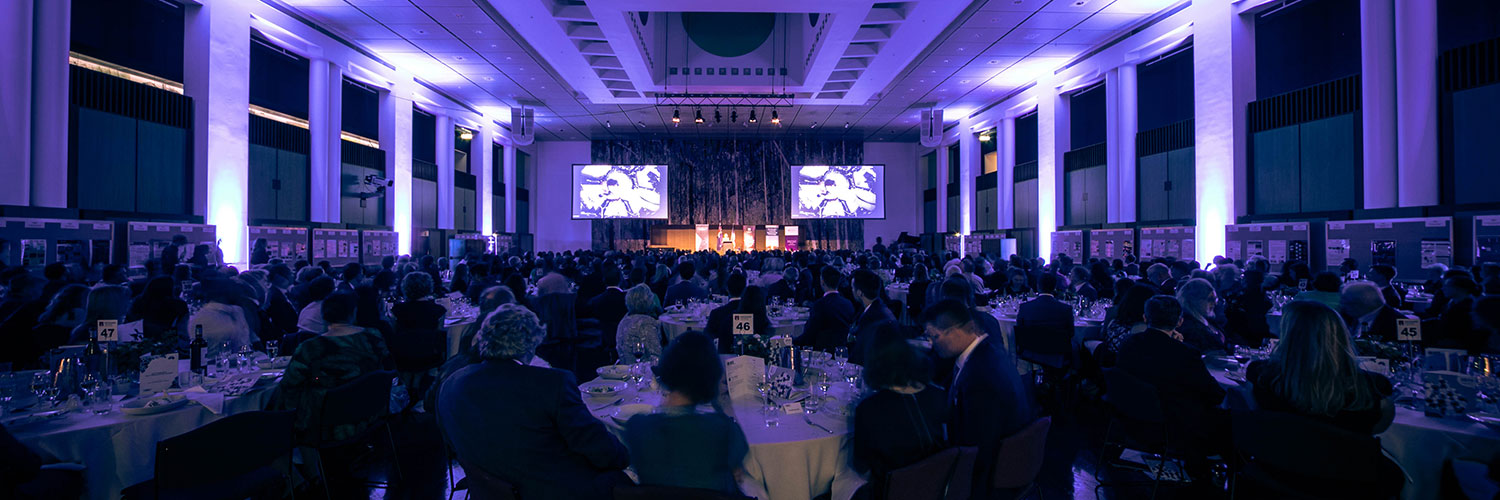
(40, 382)
(811, 404)
(273, 348)
(841, 355)
(771, 412)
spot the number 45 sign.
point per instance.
(744, 324)
(1408, 329)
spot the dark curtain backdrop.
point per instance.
(730, 181)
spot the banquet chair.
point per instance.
(195, 465)
(1137, 422)
(646, 492)
(1283, 455)
(946, 474)
(1052, 351)
(363, 403)
(485, 486)
(416, 354)
(1019, 459)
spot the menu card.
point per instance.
(743, 374)
(159, 373)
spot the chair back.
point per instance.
(916, 299)
(945, 474)
(1044, 345)
(486, 486)
(1294, 456)
(649, 492)
(1131, 397)
(366, 398)
(1020, 457)
(418, 350)
(225, 449)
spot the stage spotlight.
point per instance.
(734, 115)
(775, 117)
(752, 116)
(718, 117)
(698, 116)
(676, 118)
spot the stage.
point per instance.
(725, 237)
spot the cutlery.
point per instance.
(809, 421)
(601, 407)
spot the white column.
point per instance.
(49, 103)
(509, 176)
(1121, 125)
(217, 77)
(968, 158)
(1377, 35)
(1417, 102)
(1052, 142)
(444, 144)
(325, 121)
(1005, 142)
(942, 190)
(395, 139)
(481, 161)
(1223, 84)
(15, 100)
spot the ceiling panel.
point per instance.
(1054, 20)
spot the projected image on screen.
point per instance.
(619, 192)
(838, 192)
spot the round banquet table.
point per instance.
(455, 328)
(1083, 328)
(119, 450)
(679, 323)
(1420, 444)
(792, 460)
(897, 291)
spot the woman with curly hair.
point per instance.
(640, 328)
(527, 424)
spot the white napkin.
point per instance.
(212, 400)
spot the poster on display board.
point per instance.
(773, 237)
(749, 238)
(701, 237)
(1278, 251)
(1234, 250)
(791, 244)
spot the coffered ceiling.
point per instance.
(854, 68)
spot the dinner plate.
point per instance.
(624, 412)
(602, 388)
(1488, 419)
(613, 372)
(279, 363)
(153, 406)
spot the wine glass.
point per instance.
(40, 382)
(841, 356)
(7, 391)
(273, 348)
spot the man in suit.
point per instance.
(1367, 313)
(171, 255)
(349, 277)
(279, 308)
(828, 321)
(609, 306)
(527, 424)
(1159, 277)
(988, 402)
(1045, 321)
(782, 282)
(872, 313)
(720, 324)
(1189, 395)
(1382, 275)
(685, 289)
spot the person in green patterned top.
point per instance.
(332, 359)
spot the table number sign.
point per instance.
(744, 324)
(109, 330)
(158, 374)
(1408, 329)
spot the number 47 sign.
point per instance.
(1408, 329)
(744, 324)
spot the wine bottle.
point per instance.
(195, 351)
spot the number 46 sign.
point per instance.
(744, 324)
(1408, 329)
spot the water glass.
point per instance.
(7, 391)
(771, 412)
(811, 404)
(101, 400)
(273, 348)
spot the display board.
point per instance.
(620, 192)
(462, 244)
(1408, 244)
(1486, 239)
(1111, 244)
(337, 246)
(1277, 242)
(1176, 242)
(377, 245)
(995, 244)
(838, 192)
(34, 243)
(145, 241)
(1070, 243)
(286, 243)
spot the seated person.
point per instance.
(1324, 288)
(1366, 313)
(639, 334)
(1190, 396)
(1199, 328)
(721, 319)
(548, 447)
(338, 356)
(829, 319)
(684, 290)
(678, 445)
(1313, 372)
(901, 423)
(419, 311)
(872, 313)
(1045, 315)
(310, 319)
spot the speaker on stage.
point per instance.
(522, 126)
(931, 128)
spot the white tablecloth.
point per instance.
(789, 461)
(119, 450)
(676, 324)
(1419, 444)
(897, 292)
(456, 330)
(1082, 328)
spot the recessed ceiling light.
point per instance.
(963, 81)
(421, 32)
(994, 61)
(489, 78)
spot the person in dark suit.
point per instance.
(171, 255)
(828, 321)
(1382, 275)
(1366, 313)
(1455, 326)
(872, 314)
(1189, 395)
(283, 316)
(986, 396)
(1081, 286)
(685, 289)
(609, 306)
(720, 323)
(784, 288)
(526, 424)
(1045, 313)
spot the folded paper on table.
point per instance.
(159, 373)
(212, 400)
(743, 374)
